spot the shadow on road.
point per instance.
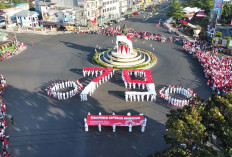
(43, 124)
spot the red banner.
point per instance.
(118, 120)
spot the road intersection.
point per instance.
(47, 127)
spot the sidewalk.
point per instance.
(35, 32)
(190, 39)
(155, 13)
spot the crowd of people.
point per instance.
(3, 124)
(104, 75)
(2, 84)
(9, 53)
(166, 94)
(217, 69)
(54, 89)
(114, 31)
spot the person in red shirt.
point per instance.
(2, 58)
(5, 143)
(4, 121)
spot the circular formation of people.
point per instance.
(54, 89)
(217, 69)
(166, 94)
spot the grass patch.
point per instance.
(153, 60)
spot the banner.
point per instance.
(218, 7)
(213, 18)
(117, 120)
(224, 42)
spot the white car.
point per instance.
(121, 19)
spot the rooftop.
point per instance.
(21, 4)
(26, 13)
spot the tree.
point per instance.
(154, 10)
(186, 134)
(206, 5)
(218, 34)
(190, 128)
(124, 30)
(16, 1)
(218, 121)
(2, 5)
(90, 24)
(226, 13)
(228, 41)
(175, 10)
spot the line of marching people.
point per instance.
(165, 93)
(2, 84)
(54, 89)
(114, 31)
(217, 69)
(3, 126)
(96, 82)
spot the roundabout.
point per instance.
(54, 121)
(43, 123)
(125, 56)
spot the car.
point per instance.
(114, 21)
(127, 16)
(120, 19)
(61, 28)
(101, 25)
(141, 11)
(109, 24)
(136, 13)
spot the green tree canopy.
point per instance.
(218, 34)
(218, 120)
(186, 133)
(175, 10)
(206, 5)
(20, 1)
(203, 129)
(226, 13)
(228, 41)
(2, 5)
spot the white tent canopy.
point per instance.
(230, 45)
(189, 10)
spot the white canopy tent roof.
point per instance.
(189, 10)
(230, 45)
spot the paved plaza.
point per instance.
(51, 128)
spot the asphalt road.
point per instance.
(50, 128)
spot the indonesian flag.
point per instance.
(121, 48)
(126, 49)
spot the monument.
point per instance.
(125, 56)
